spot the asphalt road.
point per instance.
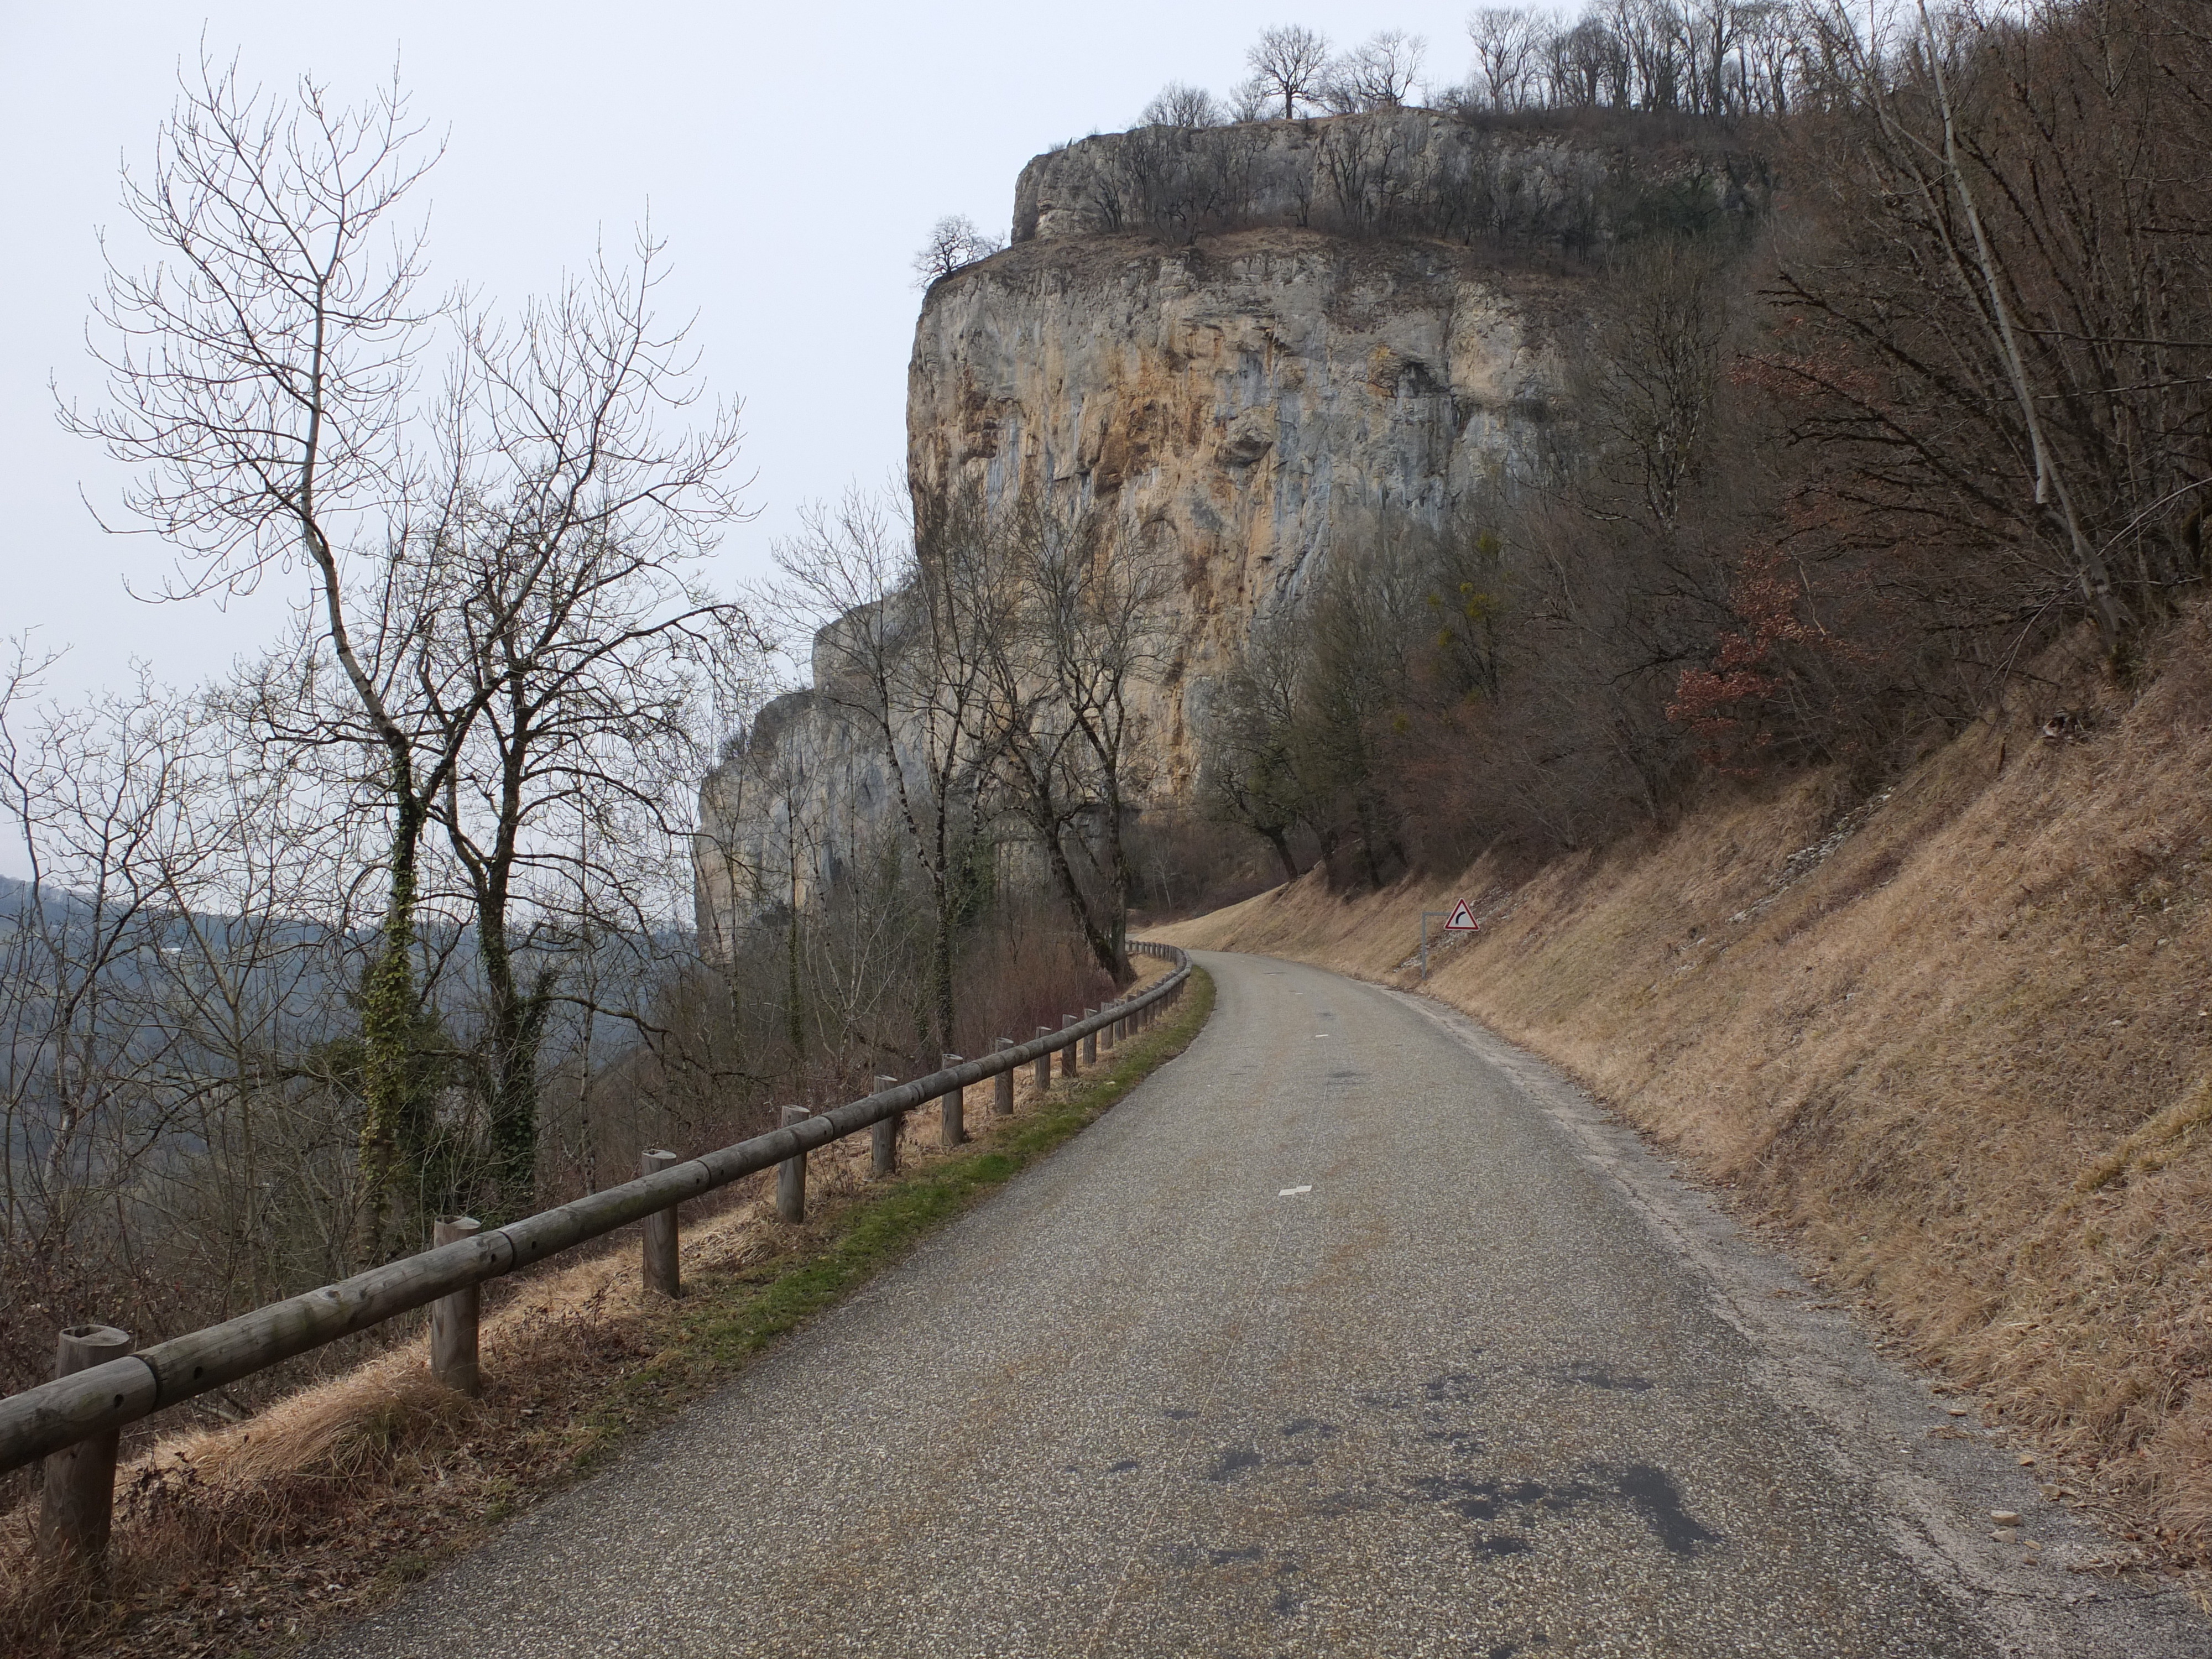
(1351, 1332)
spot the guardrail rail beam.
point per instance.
(100, 1385)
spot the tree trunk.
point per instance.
(940, 967)
(1124, 879)
(518, 1029)
(794, 1016)
(1079, 910)
(387, 1030)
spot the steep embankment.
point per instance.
(1957, 1038)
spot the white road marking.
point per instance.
(1292, 1192)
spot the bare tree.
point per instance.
(1067, 666)
(90, 794)
(1247, 776)
(1364, 164)
(898, 650)
(260, 377)
(1654, 39)
(1250, 100)
(1176, 105)
(1648, 379)
(172, 977)
(954, 242)
(585, 657)
(1712, 32)
(1378, 75)
(2010, 346)
(1291, 64)
(1510, 43)
(1587, 66)
(497, 587)
(1772, 52)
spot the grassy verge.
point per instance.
(255, 1539)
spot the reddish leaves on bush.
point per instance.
(1729, 705)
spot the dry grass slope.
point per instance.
(1961, 1049)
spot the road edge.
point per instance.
(1865, 1408)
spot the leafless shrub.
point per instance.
(1177, 104)
(954, 244)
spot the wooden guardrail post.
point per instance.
(79, 1507)
(883, 1138)
(791, 1173)
(1067, 1055)
(953, 1123)
(1090, 1039)
(1041, 1074)
(1106, 1035)
(453, 1318)
(1002, 1087)
(661, 1273)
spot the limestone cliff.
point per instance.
(1240, 398)
(1244, 395)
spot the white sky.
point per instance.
(793, 156)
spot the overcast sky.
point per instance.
(793, 156)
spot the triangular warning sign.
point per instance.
(1463, 921)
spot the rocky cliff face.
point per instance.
(1399, 173)
(1247, 398)
(1243, 399)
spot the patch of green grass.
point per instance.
(726, 1320)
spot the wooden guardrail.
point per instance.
(100, 1386)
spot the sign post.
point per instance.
(1425, 914)
(1459, 919)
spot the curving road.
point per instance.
(1353, 1332)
